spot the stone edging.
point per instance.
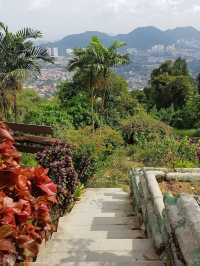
(173, 224)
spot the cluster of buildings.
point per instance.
(55, 52)
(143, 62)
(160, 49)
(137, 73)
(51, 75)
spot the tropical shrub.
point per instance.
(79, 108)
(26, 197)
(168, 152)
(143, 127)
(48, 113)
(86, 161)
(58, 159)
(166, 115)
(91, 148)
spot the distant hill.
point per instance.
(140, 38)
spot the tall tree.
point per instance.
(170, 84)
(19, 58)
(94, 65)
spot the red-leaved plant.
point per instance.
(26, 197)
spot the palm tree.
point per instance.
(94, 64)
(19, 58)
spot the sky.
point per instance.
(58, 18)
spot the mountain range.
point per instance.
(141, 38)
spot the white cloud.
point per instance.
(37, 4)
(145, 4)
(116, 5)
(196, 9)
(57, 18)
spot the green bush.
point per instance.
(107, 140)
(143, 127)
(86, 161)
(166, 115)
(192, 133)
(28, 160)
(79, 109)
(91, 149)
(167, 152)
(48, 113)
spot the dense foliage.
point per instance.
(48, 113)
(26, 197)
(91, 150)
(173, 95)
(143, 127)
(58, 159)
(170, 84)
(93, 76)
(166, 152)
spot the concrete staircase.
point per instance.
(101, 230)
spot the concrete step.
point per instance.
(98, 256)
(131, 245)
(98, 213)
(95, 263)
(93, 221)
(119, 233)
(101, 230)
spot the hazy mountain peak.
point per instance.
(146, 29)
(140, 38)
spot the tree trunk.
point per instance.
(93, 122)
(3, 104)
(92, 99)
(15, 105)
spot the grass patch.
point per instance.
(114, 172)
(192, 133)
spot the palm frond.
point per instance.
(117, 45)
(3, 27)
(39, 53)
(17, 74)
(28, 33)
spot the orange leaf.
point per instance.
(50, 189)
(7, 246)
(4, 133)
(5, 231)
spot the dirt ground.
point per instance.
(177, 187)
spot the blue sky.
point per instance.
(58, 18)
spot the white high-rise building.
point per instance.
(49, 50)
(159, 48)
(171, 48)
(69, 51)
(55, 52)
